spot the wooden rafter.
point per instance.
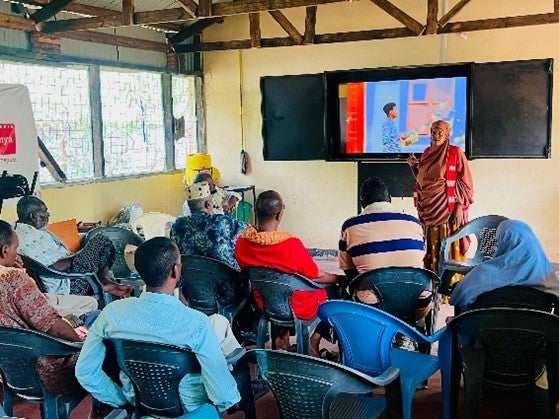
(432, 15)
(128, 12)
(112, 21)
(452, 12)
(22, 24)
(49, 10)
(310, 24)
(192, 30)
(400, 16)
(287, 26)
(205, 8)
(194, 16)
(189, 6)
(255, 34)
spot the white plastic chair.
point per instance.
(153, 224)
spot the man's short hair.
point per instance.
(268, 204)
(202, 177)
(6, 233)
(154, 260)
(388, 107)
(373, 190)
(198, 204)
(28, 204)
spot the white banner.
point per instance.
(18, 134)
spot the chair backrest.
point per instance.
(19, 350)
(365, 334)
(509, 340)
(153, 224)
(517, 297)
(397, 288)
(484, 228)
(120, 238)
(305, 386)
(36, 270)
(208, 283)
(155, 371)
(276, 288)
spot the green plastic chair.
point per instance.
(243, 211)
(313, 388)
(120, 238)
(19, 351)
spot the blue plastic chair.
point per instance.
(366, 334)
(397, 289)
(276, 288)
(308, 387)
(484, 229)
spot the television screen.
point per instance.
(377, 116)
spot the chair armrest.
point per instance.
(389, 375)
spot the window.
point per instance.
(60, 100)
(133, 134)
(185, 94)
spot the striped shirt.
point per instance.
(380, 237)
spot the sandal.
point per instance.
(329, 356)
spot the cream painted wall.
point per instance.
(100, 201)
(320, 195)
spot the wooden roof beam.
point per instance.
(225, 9)
(432, 15)
(205, 8)
(189, 6)
(402, 17)
(499, 23)
(255, 33)
(287, 26)
(49, 10)
(366, 35)
(452, 12)
(192, 30)
(310, 24)
(112, 21)
(128, 12)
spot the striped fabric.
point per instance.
(380, 237)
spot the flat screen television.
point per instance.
(385, 114)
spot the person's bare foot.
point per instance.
(282, 341)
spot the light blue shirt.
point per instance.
(163, 319)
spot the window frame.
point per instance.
(93, 69)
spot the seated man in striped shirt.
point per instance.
(381, 237)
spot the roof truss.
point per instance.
(194, 17)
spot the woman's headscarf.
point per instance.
(519, 260)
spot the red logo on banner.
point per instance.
(7, 139)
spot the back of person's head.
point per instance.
(6, 233)
(373, 190)
(388, 107)
(27, 205)
(202, 177)
(154, 260)
(268, 205)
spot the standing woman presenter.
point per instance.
(443, 192)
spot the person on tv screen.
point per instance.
(390, 136)
(443, 192)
